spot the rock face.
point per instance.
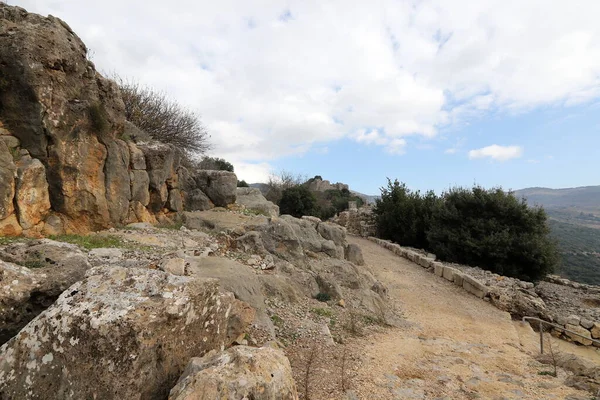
(120, 333)
(253, 200)
(61, 152)
(219, 186)
(239, 373)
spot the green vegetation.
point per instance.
(579, 251)
(8, 240)
(323, 297)
(277, 320)
(215, 164)
(486, 228)
(242, 183)
(90, 242)
(297, 201)
(323, 312)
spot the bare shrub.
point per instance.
(281, 181)
(163, 119)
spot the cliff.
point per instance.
(67, 159)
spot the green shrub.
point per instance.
(242, 183)
(216, 164)
(323, 297)
(297, 201)
(490, 229)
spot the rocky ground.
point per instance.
(378, 327)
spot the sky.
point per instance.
(434, 93)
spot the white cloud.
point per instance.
(274, 78)
(498, 153)
(451, 150)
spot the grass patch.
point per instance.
(175, 226)
(547, 373)
(8, 239)
(323, 312)
(277, 320)
(32, 264)
(90, 242)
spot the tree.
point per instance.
(242, 183)
(297, 201)
(403, 216)
(279, 182)
(490, 229)
(215, 164)
(163, 119)
(494, 230)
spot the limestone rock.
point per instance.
(136, 157)
(7, 182)
(586, 323)
(353, 254)
(175, 202)
(332, 232)
(175, 266)
(239, 373)
(10, 141)
(580, 330)
(10, 226)
(140, 187)
(253, 200)
(219, 186)
(47, 269)
(141, 213)
(120, 333)
(162, 162)
(32, 197)
(518, 303)
(596, 330)
(118, 185)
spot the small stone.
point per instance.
(573, 319)
(175, 266)
(586, 323)
(342, 303)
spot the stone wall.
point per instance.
(517, 297)
(67, 159)
(357, 221)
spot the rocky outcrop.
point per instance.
(124, 333)
(239, 373)
(320, 185)
(357, 221)
(63, 151)
(252, 199)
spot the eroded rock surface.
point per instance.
(239, 373)
(119, 333)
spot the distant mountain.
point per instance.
(573, 213)
(370, 199)
(585, 199)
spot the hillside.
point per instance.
(579, 205)
(574, 222)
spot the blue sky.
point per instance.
(433, 92)
(561, 148)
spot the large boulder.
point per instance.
(253, 200)
(219, 186)
(241, 372)
(162, 161)
(35, 274)
(118, 334)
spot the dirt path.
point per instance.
(455, 346)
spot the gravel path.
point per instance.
(454, 345)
